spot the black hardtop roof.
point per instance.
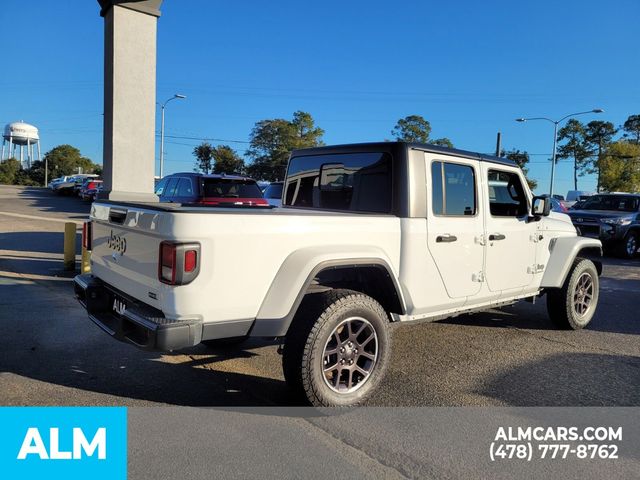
(208, 175)
(615, 194)
(389, 146)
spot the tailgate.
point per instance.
(125, 249)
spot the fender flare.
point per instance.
(564, 251)
(296, 274)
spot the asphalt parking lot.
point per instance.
(53, 355)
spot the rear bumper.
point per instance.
(139, 324)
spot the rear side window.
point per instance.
(185, 188)
(506, 194)
(274, 190)
(230, 188)
(453, 189)
(351, 181)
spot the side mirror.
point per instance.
(541, 206)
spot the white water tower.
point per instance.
(20, 134)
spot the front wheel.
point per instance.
(629, 245)
(337, 348)
(574, 305)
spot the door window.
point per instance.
(506, 194)
(185, 188)
(170, 189)
(453, 189)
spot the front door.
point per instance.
(454, 225)
(510, 257)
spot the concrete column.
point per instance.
(129, 98)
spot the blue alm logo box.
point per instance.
(63, 442)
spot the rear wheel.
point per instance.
(574, 305)
(337, 349)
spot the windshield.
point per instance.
(616, 203)
(231, 188)
(273, 191)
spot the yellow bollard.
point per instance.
(86, 261)
(69, 246)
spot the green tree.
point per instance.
(9, 170)
(65, 160)
(204, 157)
(273, 140)
(412, 128)
(575, 147)
(598, 134)
(442, 142)
(415, 128)
(521, 159)
(620, 167)
(227, 160)
(632, 128)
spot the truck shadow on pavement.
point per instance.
(47, 337)
(609, 316)
(45, 200)
(569, 379)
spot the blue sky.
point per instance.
(469, 67)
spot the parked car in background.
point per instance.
(82, 181)
(89, 189)
(210, 190)
(273, 194)
(613, 218)
(68, 187)
(57, 181)
(557, 205)
(558, 197)
(574, 196)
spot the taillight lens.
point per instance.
(86, 235)
(190, 260)
(179, 263)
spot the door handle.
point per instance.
(496, 236)
(446, 238)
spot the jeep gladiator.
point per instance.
(367, 235)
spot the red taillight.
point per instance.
(167, 271)
(190, 260)
(86, 235)
(178, 263)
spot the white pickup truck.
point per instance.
(367, 235)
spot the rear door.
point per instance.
(455, 225)
(511, 249)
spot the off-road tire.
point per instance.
(315, 321)
(624, 248)
(561, 302)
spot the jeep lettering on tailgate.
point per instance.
(117, 243)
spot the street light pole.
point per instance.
(162, 105)
(553, 157)
(555, 137)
